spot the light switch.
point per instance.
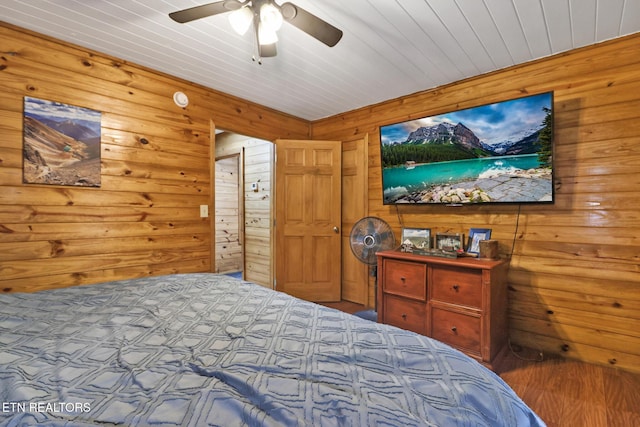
(204, 211)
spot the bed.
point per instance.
(211, 350)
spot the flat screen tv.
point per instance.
(495, 153)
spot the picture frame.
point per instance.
(449, 242)
(416, 239)
(475, 236)
(61, 144)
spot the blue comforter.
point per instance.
(206, 349)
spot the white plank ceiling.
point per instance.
(390, 48)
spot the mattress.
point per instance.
(210, 350)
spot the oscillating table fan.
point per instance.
(368, 236)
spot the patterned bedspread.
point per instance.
(206, 349)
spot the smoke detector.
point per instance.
(181, 99)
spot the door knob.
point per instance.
(336, 230)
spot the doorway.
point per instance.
(229, 213)
(255, 158)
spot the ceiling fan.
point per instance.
(267, 17)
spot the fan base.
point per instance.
(367, 315)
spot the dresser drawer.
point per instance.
(405, 278)
(405, 314)
(456, 329)
(457, 286)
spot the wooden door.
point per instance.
(308, 211)
(355, 274)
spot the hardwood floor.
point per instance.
(565, 393)
(568, 393)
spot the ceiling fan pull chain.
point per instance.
(256, 48)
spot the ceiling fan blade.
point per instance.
(311, 24)
(209, 9)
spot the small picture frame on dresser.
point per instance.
(450, 242)
(475, 236)
(416, 238)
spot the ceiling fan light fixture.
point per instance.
(266, 17)
(266, 35)
(270, 17)
(241, 19)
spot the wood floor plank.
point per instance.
(571, 393)
(622, 391)
(580, 414)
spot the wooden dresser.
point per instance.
(461, 302)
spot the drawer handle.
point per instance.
(456, 287)
(403, 279)
(454, 329)
(404, 317)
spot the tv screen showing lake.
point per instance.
(496, 177)
(501, 152)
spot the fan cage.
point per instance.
(368, 236)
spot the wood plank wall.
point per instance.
(574, 279)
(258, 212)
(144, 219)
(228, 214)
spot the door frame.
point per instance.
(244, 143)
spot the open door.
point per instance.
(308, 219)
